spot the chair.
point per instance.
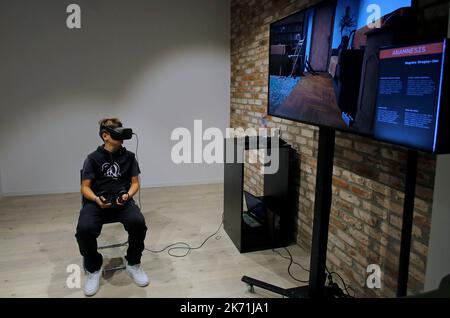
(109, 220)
(297, 55)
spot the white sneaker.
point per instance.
(92, 284)
(137, 274)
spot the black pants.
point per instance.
(90, 223)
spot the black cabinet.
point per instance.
(258, 222)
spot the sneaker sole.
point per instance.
(145, 285)
(91, 294)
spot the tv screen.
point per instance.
(316, 60)
(410, 95)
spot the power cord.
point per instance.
(291, 262)
(186, 246)
(338, 290)
(178, 245)
(331, 283)
(139, 177)
(330, 278)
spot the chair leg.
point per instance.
(113, 269)
(84, 267)
(112, 246)
(117, 268)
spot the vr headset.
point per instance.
(118, 133)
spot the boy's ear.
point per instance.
(104, 135)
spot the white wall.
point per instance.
(1, 185)
(155, 64)
(438, 262)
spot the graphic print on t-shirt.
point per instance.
(111, 170)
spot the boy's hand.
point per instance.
(123, 199)
(101, 202)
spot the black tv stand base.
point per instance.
(296, 292)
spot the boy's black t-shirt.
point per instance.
(110, 172)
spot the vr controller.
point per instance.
(113, 198)
(118, 133)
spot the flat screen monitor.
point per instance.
(411, 106)
(316, 58)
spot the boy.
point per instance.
(109, 182)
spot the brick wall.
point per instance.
(368, 178)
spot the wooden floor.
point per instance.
(313, 100)
(38, 244)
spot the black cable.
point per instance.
(139, 177)
(353, 291)
(330, 275)
(328, 272)
(186, 246)
(345, 285)
(289, 269)
(343, 282)
(174, 246)
(295, 263)
(291, 261)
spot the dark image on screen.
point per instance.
(316, 59)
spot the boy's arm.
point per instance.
(135, 171)
(134, 186)
(87, 191)
(90, 195)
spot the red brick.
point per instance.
(340, 183)
(420, 248)
(377, 187)
(352, 177)
(366, 217)
(344, 142)
(366, 148)
(361, 192)
(349, 197)
(352, 156)
(346, 238)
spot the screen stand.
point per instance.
(322, 209)
(408, 215)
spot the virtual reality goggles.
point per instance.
(118, 133)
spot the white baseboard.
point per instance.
(41, 192)
(184, 183)
(144, 186)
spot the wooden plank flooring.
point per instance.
(313, 100)
(37, 244)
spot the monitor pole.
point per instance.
(322, 211)
(408, 215)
